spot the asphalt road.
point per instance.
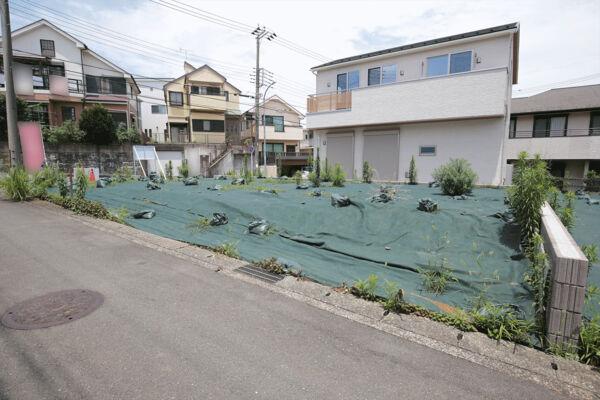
(172, 330)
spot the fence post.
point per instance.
(568, 280)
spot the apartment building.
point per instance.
(434, 100)
(562, 126)
(59, 76)
(280, 131)
(201, 107)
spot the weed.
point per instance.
(199, 224)
(122, 174)
(553, 197)
(501, 323)
(367, 172)
(326, 173)
(567, 213)
(120, 214)
(365, 288)
(338, 177)
(298, 177)
(591, 292)
(82, 183)
(436, 278)
(393, 296)
(270, 265)
(591, 252)
(82, 206)
(63, 189)
(228, 249)
(16, 184)
(589, 342)
(537, 277)
(184, 169)
(170, 170)
(314, 179)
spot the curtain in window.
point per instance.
(342, 82)
(558, 126)
(540, 127)
(374, 77)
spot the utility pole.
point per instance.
(259, 33)
(14, 143)
(265, 129)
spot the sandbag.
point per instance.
(338, 200)
(427, 205)
(152, 185)
(101, 183)
(214, 187)
(316, 193)
(258, 227)
(304, 186)
(238, 181)
(219, 219)
(144, 214)
(190, 181)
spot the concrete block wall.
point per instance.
(568, 280)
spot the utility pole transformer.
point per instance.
(14, 143)
(259, 33)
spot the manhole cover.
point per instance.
(52, 309)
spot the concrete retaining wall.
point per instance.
(568, 280)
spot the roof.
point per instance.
(480, 32)
(24, 55)
(559, 99)
(199, 68)
(277, 98)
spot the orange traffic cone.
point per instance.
(92, 175)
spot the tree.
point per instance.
(125, 135)
(68, 132)
(22, 115)
(98, 125)
(412, 172)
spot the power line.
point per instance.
(566, 82)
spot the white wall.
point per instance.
(156, 122)
(469, 95)
(556, 148)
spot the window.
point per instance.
(39, 113)
(208, 125)
(276, 121)
(437, 65)
(388, 74)
(47, 47)
(2, 80)
(212, 91)
(175, 98)
(374, 76)
(159, 109)
(105, 84)
(68, 113)
(57, 70)
(595, 123)
(427, 150)
(460, 62)
(342, 82)
(547, 126)
(274, 147)
(290, 148)
(195, 90)
(512, 128)
(40, 77)
(348, 81)
(118, 117)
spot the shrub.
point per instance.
(592, 181)
(227, 249)
(591, 252)
(365, 288)
(298, 177)
(537, 277)
(68, 132)
(326, 173)
(83, 206)
(338, 177)
(122, 174)
(44, 179)
(22, 115)
(436, 278)
(270, 265)
(553, 198)
(367, 172)
(170, 170)
(81, 182)
(567, 213)
(456, 177)
(16, 184)
(318, 170)
(531, 184)
(314, 179)
(412, 171)
(98, 125)
(63, 189)
(127, 135)
(184, 169)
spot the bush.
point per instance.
(44, 179)
(501, 323)
(589, 342)
(68, 132)
(298, 177)
(367, 172)
(16, 184)
(592, 181)
(412, 172)
(184, 169)
(82, 183)
(591, 252)
(531, 185)
(567, 213)
(314, 179)
(170, 170)
(22, 115)
(122, 174)
(338, 177)
(82, 206)
(326, 173)
(456, 177)
(98, 125)
(127, 135)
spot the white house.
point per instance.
(153, 108)
(434, 100)
(561, 125)
(60, 76)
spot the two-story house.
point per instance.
(562, 126)
(201, 107)
(434, 100)
(279, 130)
(153, 109)
(59, 76)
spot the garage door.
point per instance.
(340, 150)
(381, 150)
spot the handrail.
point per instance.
(569, 132)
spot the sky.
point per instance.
(560, 40)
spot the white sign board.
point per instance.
(144, 153)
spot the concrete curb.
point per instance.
(571, 378)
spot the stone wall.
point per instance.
(68, 155)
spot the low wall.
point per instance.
(67, 155)
(568, 280)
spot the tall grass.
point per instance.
(16, 184)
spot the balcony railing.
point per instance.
(329, 102)
(272, 157)
(75, 86)
(554, 133)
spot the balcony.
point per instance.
(290, 157)
(329, 102)
(475, 94)
(573, 144)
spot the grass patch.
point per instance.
(436, 278)
(271, 265)
(365, 288)
(228, 249)
(200, 224)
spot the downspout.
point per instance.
(507, 104)
(83, 83)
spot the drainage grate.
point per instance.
(260, 274)
(52, 309)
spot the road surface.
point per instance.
(170, 329)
